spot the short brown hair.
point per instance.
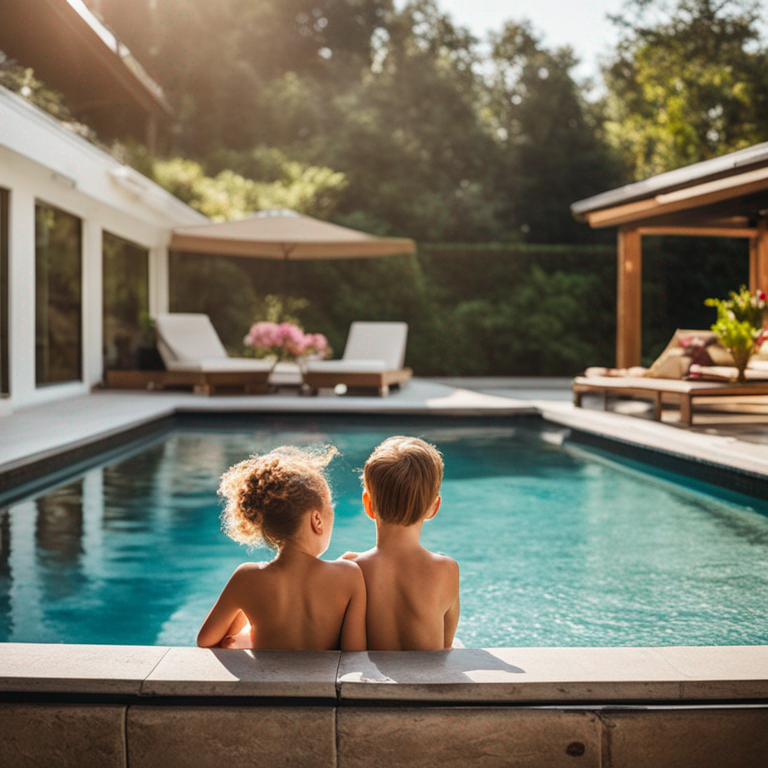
(403, 477)
(267, 496)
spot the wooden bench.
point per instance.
(660, 390)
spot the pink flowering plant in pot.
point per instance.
(741, 325)
(285, 341)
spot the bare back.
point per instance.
(299, 604)
(296, 608)
(412, 599)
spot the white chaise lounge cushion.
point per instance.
(372, 347)
(189, 342)
(220, 364)
(188, 337)
(348, 366)
(377, 341)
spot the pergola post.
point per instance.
(629, 298)
(758, 258)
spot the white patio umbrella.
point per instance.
(284, 234)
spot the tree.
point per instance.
(240, 73)
(408, 138)
(310, 190)
(688, 87)
(550, 137)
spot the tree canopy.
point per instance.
(436, 138)
(687, 83)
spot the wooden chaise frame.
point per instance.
(381, 381)
(205, 382)
(659, 390)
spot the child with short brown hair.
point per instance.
(296, 601)
(413, 594)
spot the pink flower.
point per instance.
(263, 337)
(285, 340)
(318, 344)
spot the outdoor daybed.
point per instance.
(693, 366)
(659, 391)
(373, 359)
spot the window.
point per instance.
(4, 316)
(59, 293)
(126, 302)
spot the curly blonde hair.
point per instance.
(268, 495)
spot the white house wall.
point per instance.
(42, 162)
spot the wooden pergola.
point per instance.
(723, 197)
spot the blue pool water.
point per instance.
(556, 547)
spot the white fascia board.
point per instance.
(31, 133)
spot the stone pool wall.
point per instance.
(105, 706)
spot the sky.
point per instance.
(582, 24)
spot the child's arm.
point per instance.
(353, 627)
(451, 619)
(224, 619)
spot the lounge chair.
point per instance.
(677, 377)
(193, 354)
(373, 359)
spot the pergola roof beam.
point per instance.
(742, 185)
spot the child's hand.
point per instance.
(350, 556)
(240, 640)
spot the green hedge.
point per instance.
(473, 310)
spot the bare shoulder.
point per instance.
(367, 555)
(252, 567)
(448, 569)
(444, 562)
(346, 569)
(349, 567)
(340, 568)
(248, 571)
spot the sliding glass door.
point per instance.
(59, 296)
(125, 301)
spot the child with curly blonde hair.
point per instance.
(296, 601)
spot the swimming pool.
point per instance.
(557, 547)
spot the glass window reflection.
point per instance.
(125, 302)
(58, 300)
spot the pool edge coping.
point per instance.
(639, 676)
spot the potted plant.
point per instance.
(740, 325)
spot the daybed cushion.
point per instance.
(687, 347)
(757, 370)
